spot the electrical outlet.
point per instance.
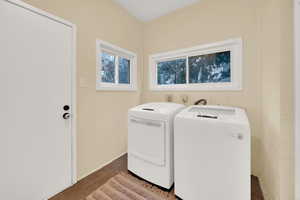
(169, 98)
(184, 99)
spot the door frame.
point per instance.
(38, 11)
(297, 95)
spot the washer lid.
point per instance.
(215, 113)
(160, 107)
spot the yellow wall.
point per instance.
(270, 97)
(102, 116)
(266, 29)
(265, 26)
(277, 99)
(286, 159)
(203, 23)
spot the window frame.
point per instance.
(102, 46)
(232, 45)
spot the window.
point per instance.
(171, 72)
(116, 68)
(108, 67)
(124, 70)
(209, 67)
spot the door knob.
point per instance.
(66, 115)
(66, 107)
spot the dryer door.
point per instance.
(147, 140)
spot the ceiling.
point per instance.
(147, 10)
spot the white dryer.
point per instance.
(150, 142)
(212, 153)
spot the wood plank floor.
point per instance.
(87, 185)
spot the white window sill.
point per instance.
(116, 88)
(198, 87)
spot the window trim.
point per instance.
(102, 46)
(235, 46)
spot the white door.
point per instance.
(35, 84)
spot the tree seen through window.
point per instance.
(171, 72)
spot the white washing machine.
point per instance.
(150, 142)
(212, 153)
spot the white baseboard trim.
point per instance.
(103, 165)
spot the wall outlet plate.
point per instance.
(184, 99)
(169, 98)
